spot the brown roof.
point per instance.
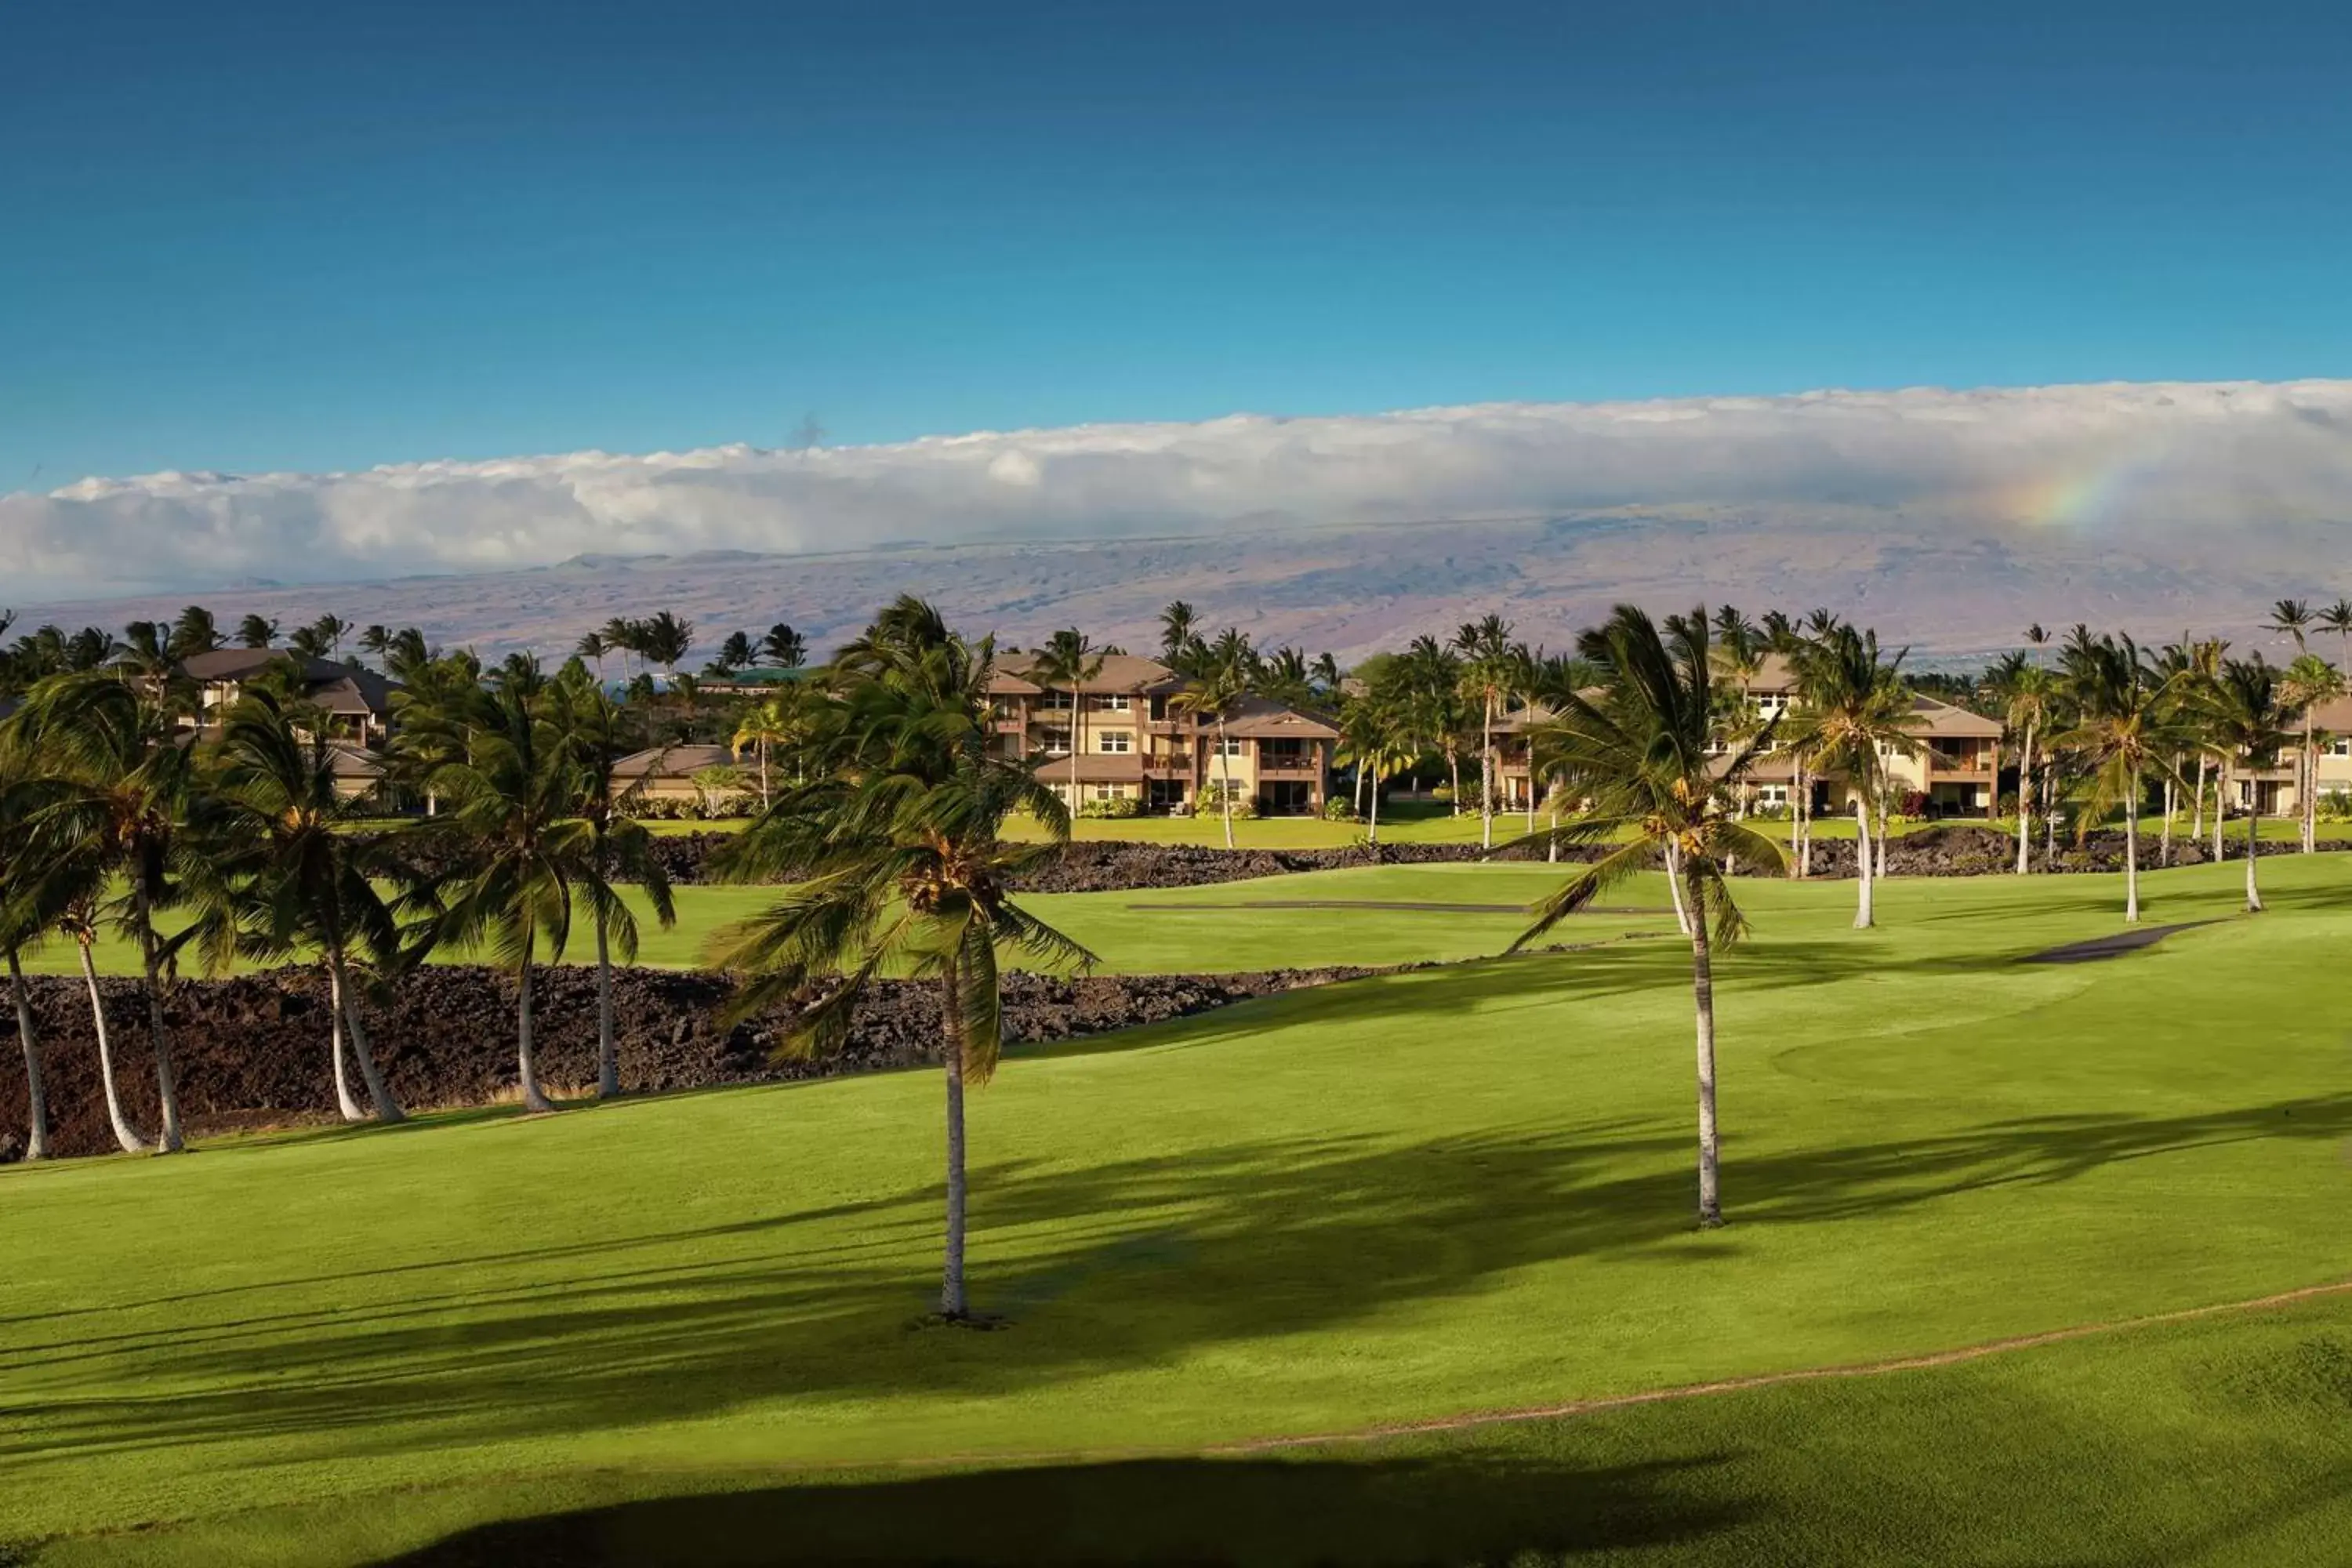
(2334, 716)
(350, 761)
(337, 688)
(1094, 767)
(1943, 720)
(1264, 718)
(672, 761)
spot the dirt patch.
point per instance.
(2115, 946)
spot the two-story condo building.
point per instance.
(1126, 737)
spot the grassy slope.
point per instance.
(1402, 1197)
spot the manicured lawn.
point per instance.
(1405, 1197)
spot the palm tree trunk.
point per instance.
(763, 772)
(2308, 795)
(2220, 805)
(37, 1095)
(526, 1070)
(1883, 835)
(1863, 914)
(1551, 846)
(2253, 891)
(387, 1109)
(1710, 1193)
(1225, 799)
(2131, 853)
(124, 1133)
(2197, 805)
(2164, 846)
(347, 1104)
(2025, 801)
(1374, 836)
(2049, 813)
(1486, 776)
(952, 1302)
(1674, 888)
(608, 1055)
(167, 1093)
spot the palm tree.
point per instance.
(1213, 691)
(624, 636)
(123, 789)
(666, 640)
(1180, 630)
(2245, 713)
(593, 647)
(1376, 739)
(2291, 619)
(376, 641)
(1433, 676)
(25, 914)
(256, 631)
(1858, 713)
(2127, 726)
(784, 647)
(735, 653)
(775, 720)
(2024, 690)
(514, 837)
(1069, 660)
(1486, 650)
(2310, 682)
(590, 724)
(283, 873)
(1642, 754)
(895, 845)
(194, 632)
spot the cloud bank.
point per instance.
(2143, 456)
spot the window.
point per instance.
(1772, 795)
(1054, 741)
(1115, 739)
(1059, 701)
(2339, 747)
(1160, 710)
(1231, 746)
(1110, 792)
(1114, 702)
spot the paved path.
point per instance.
(2114, 946)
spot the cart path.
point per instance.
(1776, 1379)
(2115, 946)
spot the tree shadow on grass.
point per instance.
(1257, 1512)
(1106, 1268)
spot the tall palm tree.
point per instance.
(776, 720)
(1212, 693)
(1067, 661)
(1376, 739)
(1858, 713)
(624, 636)
(2127, 728)
(666, 640)
(282, 872)
(2291, 619)
(25, 912)
(784, 647)
(590, 725)
(2246, 710)
(1433, 676)
(895, 851)
(1486, 650)
(2025, 693)
(592, 648)
(515, 841)
(123, 789)
(256, 631)
(194, 632)
(1180, 628)
(2310, 682)
(1642, 754)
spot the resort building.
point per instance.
(1125, 736)
(357, 702)
(682, 773)
(2271, 792)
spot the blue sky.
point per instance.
(257, 237)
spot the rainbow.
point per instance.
(2079, 497)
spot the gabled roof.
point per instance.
(337, 687)
(1942, 721)
(349, 762)
(2333, 716)
(672, 761)
(1261, 718)
(355, 691)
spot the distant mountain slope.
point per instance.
(1946, 589)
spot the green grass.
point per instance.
(1451, 1190)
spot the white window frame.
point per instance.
(1115, 743)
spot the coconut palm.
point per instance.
(2025, 692)
(1487, 679)
(590, 724)
(2127, 728)
(776, 720)
(895, 847)
(1180, 630)
(1856, 714)
(1641, 753)
(592, 648)
(2245, 710)
(194, 632)
(281, 872)
(784, 647)
(664, 639)
(256, 631)
(1376, 740)
(122, 789)
(2310, 682)
(514, 837)
(1219, 682)
(24, 915)
(1067, 661)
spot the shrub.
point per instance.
(1339, 809)
(1442, 794)
(1769, 812)
(2335, 805)
(1118, 806)
(1212, 801)
(1914, 803)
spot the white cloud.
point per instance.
(2143, 456)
